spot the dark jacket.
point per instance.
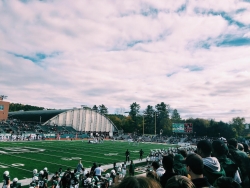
(201, 182)
(165, 177)
(242, 161)
(228, 165)
(213, 175)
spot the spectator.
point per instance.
(226, 182)
(241, 159)
(159, 170)
(139, 182)
(168, 165)
(152, 174)
(179, 167)
(180, 181)
(212, 168)
(240, 147)
(183, 152)
(220, 151)
(194, 164)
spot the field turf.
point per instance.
(20, 158)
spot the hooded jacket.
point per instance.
(160, 171)
(212, 169)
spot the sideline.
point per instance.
(27, 181)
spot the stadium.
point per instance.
(82, 120)
(57, 142)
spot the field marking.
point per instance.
(15, 167)
(37, 160)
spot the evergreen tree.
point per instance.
(103, 109)
(176, 118)
(95, 108)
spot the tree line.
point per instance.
(153, 119)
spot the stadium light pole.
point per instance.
(155, 123)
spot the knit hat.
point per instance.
(212, 163)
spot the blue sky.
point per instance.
(192, 55)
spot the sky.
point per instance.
(193, 55)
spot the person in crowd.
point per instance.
(159, 170)
(241, 159)
(127, 153)
(179, 167)
(220, 151)
(153, 174)
(226, 182)
(240, 147)
(180, 181)
(246, 149)
(6, 179)
(168, 165)
(212, 168)
(183, 152)
(98, 171)
(141, 154)
(138, 182)
(15, 184)
(132, 168)
(194, 165)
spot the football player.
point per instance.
(46, 173)
(34, 183)
(42, 182)
(6, 179)
(74, 181)
(35, 173)
(55, 180)
(15, 184)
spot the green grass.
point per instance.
(20, 158)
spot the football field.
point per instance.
(20, 158)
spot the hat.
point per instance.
(178, 158)
(212, 163)
(223, 139)
(195, 163)
(220, 147)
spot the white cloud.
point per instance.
(116, 53)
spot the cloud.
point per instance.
(192, 55)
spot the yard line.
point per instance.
(36, 160)
(15, 167)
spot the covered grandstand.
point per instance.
(80, 119)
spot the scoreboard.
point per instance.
(182, 128)
(188, 127)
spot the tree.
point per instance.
(176, 118)
(134, 111)
(238, 124)
(95, 108)
(162, 120)
(149, 119)
(103, 109)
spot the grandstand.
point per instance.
(68, 121)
